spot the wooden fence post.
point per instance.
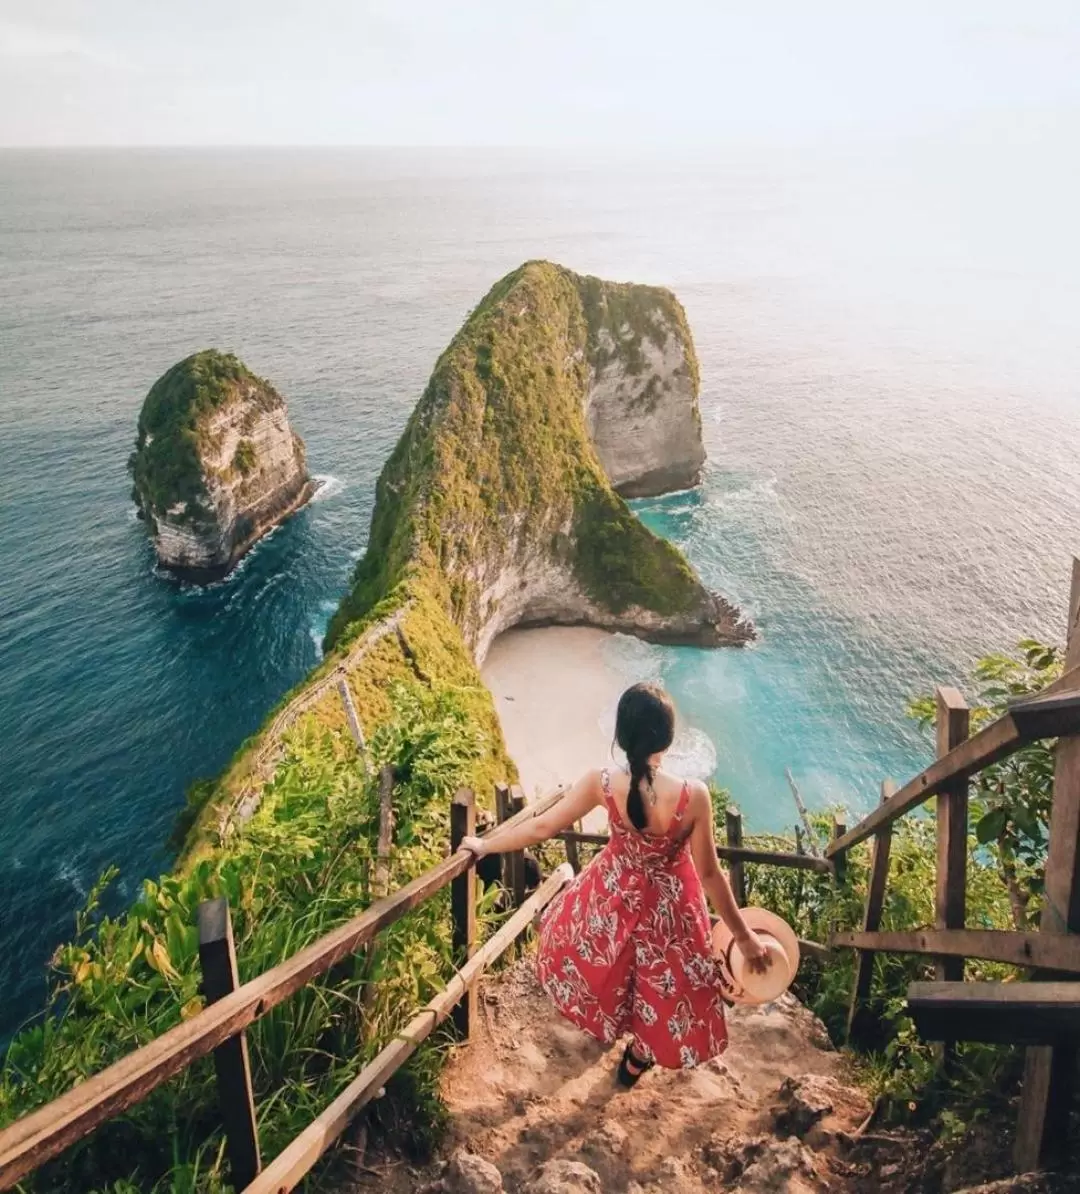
(1050, 1072)
(463, 905)
(733, 823)
(217, 956)
(839, 860)
(503, 813)
(875, 901)
(950, 902)
(573, 857)
(517, 803)
(353, 719)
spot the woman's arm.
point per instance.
(582, 798)
(713, 879)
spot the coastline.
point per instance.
(551, 687)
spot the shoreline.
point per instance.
(551, 687)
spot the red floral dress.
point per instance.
(626, 947)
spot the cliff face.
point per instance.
(216, 464)
(496, 500)
(641, 404)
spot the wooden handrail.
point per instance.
(298, 1157)
(1044, 951)
(804, 862)
(990, 745)
(48, 1131)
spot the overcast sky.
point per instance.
(525, 72)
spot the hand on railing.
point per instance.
(474, 845)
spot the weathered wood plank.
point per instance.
(950, 897)
(1050, 1074)
(503, 814)
(839, 861)
(217, 958)
(463, 906)
(1001, 1013)
(1041, 951)
(45, 1133)
(739, 854)
(1048, 715)
(517, 870)
(288, 1169)
(733, 824)
(875, 902)
(353, 719)
(811, 839)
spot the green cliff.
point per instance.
(495, 501)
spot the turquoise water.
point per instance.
(889, 362)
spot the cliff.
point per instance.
(641, 402)
(500, 498)
(216, 464)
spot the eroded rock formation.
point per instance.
(216, 464)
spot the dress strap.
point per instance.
(680, 808)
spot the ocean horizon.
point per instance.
(886, 334)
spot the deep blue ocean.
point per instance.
(889, 356)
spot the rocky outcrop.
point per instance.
(216, 464)
(501, 497)
(641, 407)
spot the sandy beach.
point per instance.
(551, 688)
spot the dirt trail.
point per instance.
(777, 1112)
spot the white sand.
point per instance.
(551, 688)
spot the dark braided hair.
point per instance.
(644, 725)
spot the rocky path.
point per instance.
(535, 1110)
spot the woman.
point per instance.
(626, 947)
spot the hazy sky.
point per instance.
(523, 72)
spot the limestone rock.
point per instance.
(769, 1166)
(502, 498)
(642, 403)
(565, 1177)
(216, 464)
(802, 1103)
(470, 1174)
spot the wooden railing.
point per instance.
(1043, 1014)
(219, 1028)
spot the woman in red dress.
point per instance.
(625, 949)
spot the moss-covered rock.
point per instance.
(216, 464)
(495, 500)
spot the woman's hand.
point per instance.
(474, 845)
(757, 956)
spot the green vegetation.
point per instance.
(165, 463)
(497, 455)
(244, 457)
(303, 865)
(1010, 805)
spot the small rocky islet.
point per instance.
(216, 465)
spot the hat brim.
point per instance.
(757, 919)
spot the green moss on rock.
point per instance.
(165, 463)
(497, 455)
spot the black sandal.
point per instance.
(630, 1058)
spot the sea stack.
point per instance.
(216, 464)
(504, 499)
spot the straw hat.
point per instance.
(740, 983)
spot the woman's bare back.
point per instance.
(659, 816)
